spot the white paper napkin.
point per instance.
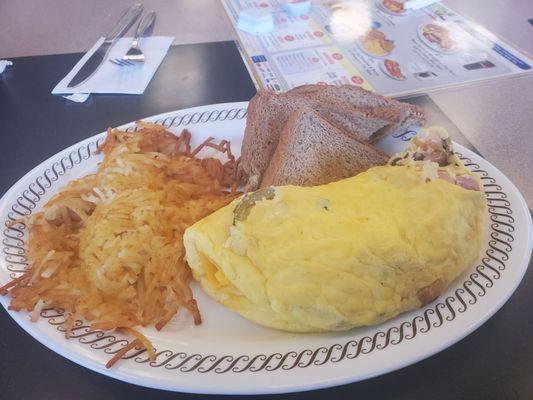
(4, 64)
(77, 97)
(111, 78)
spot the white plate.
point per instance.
(227, 354)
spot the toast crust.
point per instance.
(317, 154)
(358, 113)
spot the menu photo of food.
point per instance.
(376, 44)
(392, 7)
(438, 37)
(392, 69)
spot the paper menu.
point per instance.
(364, 43)
(293, 33)
(322, 65)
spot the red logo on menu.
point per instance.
(289, 38)
(264, 5)
(357, 80)
(318, 33)
(304, 17)
(337, 56)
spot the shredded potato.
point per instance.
(108, 247)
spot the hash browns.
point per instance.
(108, 247)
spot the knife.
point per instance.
(95, 60)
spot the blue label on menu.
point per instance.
(511, 57)
(258, 59)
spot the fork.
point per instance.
(135, 54)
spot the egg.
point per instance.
(350, 253)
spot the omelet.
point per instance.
(350, 253)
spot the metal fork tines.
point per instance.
(121, 63)
(135, 54)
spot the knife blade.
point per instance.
(96, 59)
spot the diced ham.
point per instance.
(431, 144)
(467, 182)
(440, 157)
(428, 140)
(446, 175)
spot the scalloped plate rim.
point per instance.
(183, 384)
